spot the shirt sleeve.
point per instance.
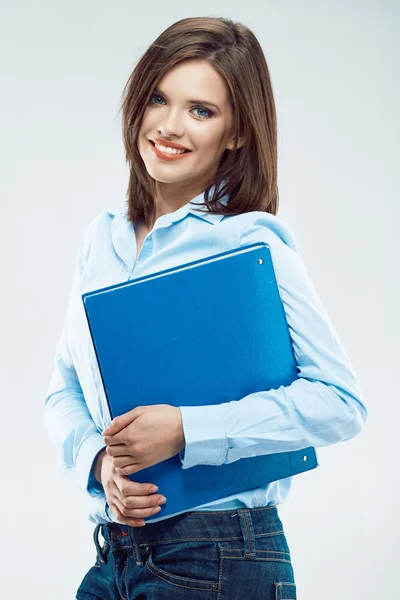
(322, 406)
(66, 416)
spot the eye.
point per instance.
(155, 96)
(207, 113)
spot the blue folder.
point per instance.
(205, 332)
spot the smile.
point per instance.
(168, 153)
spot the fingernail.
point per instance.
(156, 510)
(153, 489)
(162, 500)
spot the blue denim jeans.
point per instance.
(222, 555)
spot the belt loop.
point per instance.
(136, 547)
(248, 533)
(97, 543)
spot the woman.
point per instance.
(199, 129)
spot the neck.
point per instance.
(170, 197)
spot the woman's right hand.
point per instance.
(129, 501)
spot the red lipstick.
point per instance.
(170, 144)
(164, 155)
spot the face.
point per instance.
(190, 107)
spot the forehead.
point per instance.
(194, 78)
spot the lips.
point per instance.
(162, 142)
(167, 157)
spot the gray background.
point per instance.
(333, 67)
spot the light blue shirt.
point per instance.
(323, 406)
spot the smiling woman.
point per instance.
(193, 133)
(199, 129)
(203, 85)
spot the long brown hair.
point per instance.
(248, 175)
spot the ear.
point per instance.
(231, 143)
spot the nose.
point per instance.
(171, 125)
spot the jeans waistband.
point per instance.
(246, 524)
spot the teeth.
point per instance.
(168, 150)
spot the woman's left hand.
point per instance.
(144, 437)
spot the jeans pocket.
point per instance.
(273, 546)
(284, 590)
(191, 565)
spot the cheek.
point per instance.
(146, 128)
(148, 122)
(210, 141)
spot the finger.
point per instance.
(126, 487)
(118, 450)
(142, 502)
(113, 440)
(136, 513)
(128, 521)
(129, 469)
(121, 422)
(133, 467)
(122, 461)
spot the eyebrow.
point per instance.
(158, 91)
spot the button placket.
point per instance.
(145, 250)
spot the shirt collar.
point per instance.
(190, 207)
(123, 235)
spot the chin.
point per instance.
(161, 179)
(160, 175)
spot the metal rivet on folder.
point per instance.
(260, 261)
(305, 457)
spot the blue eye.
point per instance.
(208, 113)
(155, 96)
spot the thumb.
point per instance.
(120, 422)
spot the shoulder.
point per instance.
(103, 223)
(98, 231)
(259, 226)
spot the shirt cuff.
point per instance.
(98, 509)
(84, 472)
(95, 487)
(204, 431)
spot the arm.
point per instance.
(323, 406)
(66, 416)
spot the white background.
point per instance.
(334, 69)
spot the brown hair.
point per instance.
(248, 175)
